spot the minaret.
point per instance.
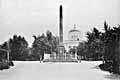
(61, 25)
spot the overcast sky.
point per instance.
(28, 17)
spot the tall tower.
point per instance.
(61, 45)
(61, 25)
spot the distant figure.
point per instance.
(79, 58)
(11, 62)
(40, 59)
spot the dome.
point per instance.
(74, 30)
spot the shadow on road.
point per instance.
(109, 76)
(95, 67)
(113, 77)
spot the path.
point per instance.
(55, 71)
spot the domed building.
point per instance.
(74, 34)
(74, 37)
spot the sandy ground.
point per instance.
(56, 71)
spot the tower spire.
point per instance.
(61, 24)
(74, 26)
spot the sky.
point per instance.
(29, 17)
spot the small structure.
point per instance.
(46, 56)
(4, 60)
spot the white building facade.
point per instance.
(74, 38)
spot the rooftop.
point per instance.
(74, 30)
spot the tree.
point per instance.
(44, 44)
(17, 45)
(94, 44)
(111, 40)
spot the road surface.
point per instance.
(56, 71)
